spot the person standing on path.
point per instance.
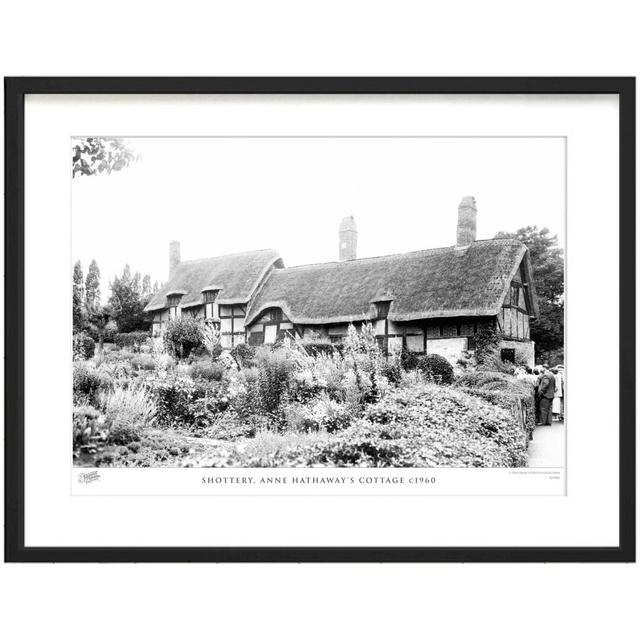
(564, 390)
(556, 407)
(546, 393)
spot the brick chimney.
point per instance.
(174, 256)
(467, 216)
(348, 236)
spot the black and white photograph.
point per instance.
(320, 320)
(318, 301)
(320, 326)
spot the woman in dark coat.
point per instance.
(546, 393)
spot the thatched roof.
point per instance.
(236, 275)
(435, 283)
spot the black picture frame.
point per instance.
(15, 91)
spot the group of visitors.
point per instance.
(549, 392)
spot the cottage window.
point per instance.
(515, 296)
(415, 343)
(210, 310)
(382, 308)
(433, 331)
(210, 307)
(173, 301)
(508, 355)
(450, 330)
(466, 329)
(273, 315)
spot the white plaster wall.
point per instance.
(450, 348)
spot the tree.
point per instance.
(182, 336)
(93, 156)
(547, 262)
(146, 288)
(78, 298)
(98, 318)
(92, 286)
(128, 303)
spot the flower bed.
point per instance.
(283, 406)
(423, 426)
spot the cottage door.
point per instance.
(270, 333)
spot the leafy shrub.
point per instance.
(187, 403)
(226, 361)
(243, 354)
(117, 355)
(229, 426)
(466, 361)
(162, 361)
(132, 340)
(521, 360)
(207, 371)
(332, 416)
(392, 370)
(117, 366)
(88, 381)
(182, 336)
(244, 398)
(128, 410)
(320, 414)
(304, 386)
(143, 361)
(436, 367)
(153, 449)
(321, 348)
(87, 421)
(327, 373)
(363, 343)
(487, 340)
(409, 359)
(84, 347)
(503, 390)
(422, 426)
(492, 361)
(274, 375)
(298, 418)
(211, 338)
(110, 330)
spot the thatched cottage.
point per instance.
(432, 301)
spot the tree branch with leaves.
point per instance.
(94, 156)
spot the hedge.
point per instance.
(132, 340)
(503, 390)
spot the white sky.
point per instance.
(223, 195)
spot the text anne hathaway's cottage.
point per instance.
(432, 301)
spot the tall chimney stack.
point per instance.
(467, 217)
(348, 236)
(174, 256)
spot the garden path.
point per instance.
(547, 449)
